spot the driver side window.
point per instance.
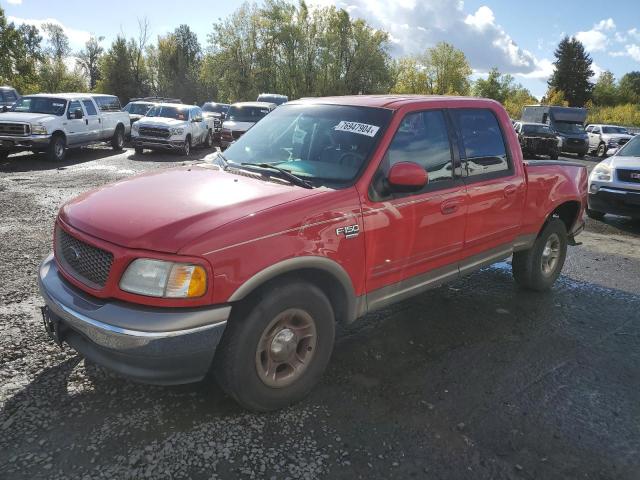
(73, 106)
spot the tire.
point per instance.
(530, 268)
(117, 142)
(208, 141)
(186, 148)
(57, 149)
(240, 366)
(138, 150)
(4, 154)
(554, 155)
(601, 152)
(595, 214)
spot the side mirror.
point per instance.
(77, 114)
(407, 177)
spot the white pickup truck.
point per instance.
(172, 126)
(52, 123)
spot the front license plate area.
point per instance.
(51, 325)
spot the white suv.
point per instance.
(172, 126)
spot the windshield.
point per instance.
(50, 106)
(631, 148)
(621, 130)
(214, 108)
(246, 114)
(569, 127)
(532, 129)
(277, 99)
(164, 111)
(326, 143)
(137, 108)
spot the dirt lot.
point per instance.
(477, 379)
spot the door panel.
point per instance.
(77, 128)
(92, 121)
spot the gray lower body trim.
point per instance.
(104, 333)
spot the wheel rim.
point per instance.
(601, 151)
(286, 348)
(187, 147)
(120, 139)
(551, 254)
(209, 139)
(58, 149)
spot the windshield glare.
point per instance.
(169, 112)
(615, 130)
(49, 106)
(137, 108)
(631, 148)
(246, 114)
(569, 127)
(536, 129)
(327, 143)
(214, 108)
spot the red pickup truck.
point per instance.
(325, 210)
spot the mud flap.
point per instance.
(51, 325)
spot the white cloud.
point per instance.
(634, 52)
(14, 2)
(593, 40)
(77, 38)
(607, 24)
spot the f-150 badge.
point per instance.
(349, 231)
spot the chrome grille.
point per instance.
(154, 132)
(21, 129)
(88, 264)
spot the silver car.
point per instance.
(614, 184)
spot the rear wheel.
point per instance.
(539, 267)
(274, 353)
(57, 149)
(117, 142)
(595, 214)
(602, 150)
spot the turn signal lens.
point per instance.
(186, 281)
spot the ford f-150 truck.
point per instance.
(172, 126)
(52, 123)
(325, 210)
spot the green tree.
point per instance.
(179, 61)
(517, 98)
(495, 86)
(20, 52)
(88, 59)
(629, 87)
(116, 72)
(572, 72)
(448, 70)
(555, 97)
(57, 40)
(605, 91)
(410, 77)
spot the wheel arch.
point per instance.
(326, 274)
(567, 212)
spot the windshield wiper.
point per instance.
(284, 173)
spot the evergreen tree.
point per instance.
(573, 72)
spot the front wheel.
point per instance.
(186, 148)
(208, 141)
(538, 267)
(57, 149)
(273, 354)
(602, 150)
(117, 142)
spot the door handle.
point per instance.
(449, 206)
(510, 190)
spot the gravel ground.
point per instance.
(477, 379)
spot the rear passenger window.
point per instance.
(421, 138)
(482, 142)
(88, 106)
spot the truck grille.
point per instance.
(631, 176)
(21, 129)
(88, 264)
(154, 132)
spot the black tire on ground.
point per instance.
(57, 149)
(539, 267)
(208, 141)
(241, 353)
(186, 148)
(595, 214)
(138, 150)
(117, 141)
(602, 150)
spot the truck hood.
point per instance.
(237, 126)
(619, 161)
(616, 136)
(163, 211)
(161, 122)
(26, 117)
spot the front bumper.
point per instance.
(617, 201)
(570, 146)
(170, 346)
(157, 143)
(24, 143)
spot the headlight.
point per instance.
(601, 172)
(157, 278)
(38, 129)
(134, 127)
(177, 131)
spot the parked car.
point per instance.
(273, 98)
(172, 126)
(606, 139)
(537, 139)
(8, 96)
(217, 111)
(327, 209)
(52, 123)
(240, 118)
(566, 122)
(138, 109)
(614, 184)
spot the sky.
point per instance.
(517, 37)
